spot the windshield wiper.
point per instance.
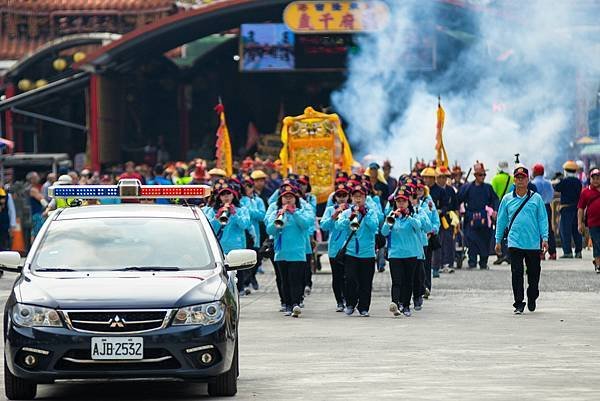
(54, 269)
(148, 268)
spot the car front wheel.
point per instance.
(225, 385)
(16, 388)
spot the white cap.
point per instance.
(503, 166)
(64, 180)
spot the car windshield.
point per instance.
(134, 244)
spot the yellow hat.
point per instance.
(218, 172)
(2, 192)
(570, 165)
(428, 172)
(258, 174)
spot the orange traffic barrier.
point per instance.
(18, 241)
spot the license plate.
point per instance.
(117, 348)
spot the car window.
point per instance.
(116, 243)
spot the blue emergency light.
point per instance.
(129, 189)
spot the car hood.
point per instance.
(129, 290)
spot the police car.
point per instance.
(124, 291)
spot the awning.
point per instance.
(79, 80)
(591, 150)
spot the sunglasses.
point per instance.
(480, 175)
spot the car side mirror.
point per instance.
(10, 261)
(240, 259)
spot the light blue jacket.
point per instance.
(312, 202)
(256, 210)
(404, 238)
(290, 240)
(370, 202)
(337, 238)
(426, 228)
(544, 188)
(232, 235)
(530, 226)
(362, 244)
(434, 217)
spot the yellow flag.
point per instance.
(224, 155)
(441, 155)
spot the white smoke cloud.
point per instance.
(511, 91)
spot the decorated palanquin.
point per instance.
(314, 144)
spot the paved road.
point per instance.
(465, 345)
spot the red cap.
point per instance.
(341, 188)
(226, 188)
(403, 193)
(538, 169)
(521, 172)
(359, 188)
(287, 189)
(594, 172)
(303, 179)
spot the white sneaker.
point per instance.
(307, 291)
(296, 311)
(394, 309)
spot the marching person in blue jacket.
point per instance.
(305, 189)
(229, 221)
(337, 238)
(289, 225)
(529, 229)
(403, 230)
(426, 204)
(362, 223)
(275, 195)
(426, 227)
(256, 211)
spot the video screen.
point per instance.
(267, 47)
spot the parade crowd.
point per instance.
(419, 225)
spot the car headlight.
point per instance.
(203, 314)
(35, 316)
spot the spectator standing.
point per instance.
(588, 214)
(570, 189)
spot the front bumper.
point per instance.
(164, 348)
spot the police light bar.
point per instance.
(129, 189)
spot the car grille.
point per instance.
(154, 358)
(117, 321)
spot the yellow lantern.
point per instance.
(59, 64)
(25, 85)
(40, 83)
(79, 56)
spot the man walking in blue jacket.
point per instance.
(523, 214)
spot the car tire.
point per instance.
(225, 385)
(16, 388)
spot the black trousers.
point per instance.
(278, 280)
(241, 279)
(308, 271)
(551, 236)
(359, 282)
(427, 267)
(419, 280)
(251, 273)
(402, 271)
(532, 261)
(292, 282)
(337, 280)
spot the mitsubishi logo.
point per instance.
(117, 322)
